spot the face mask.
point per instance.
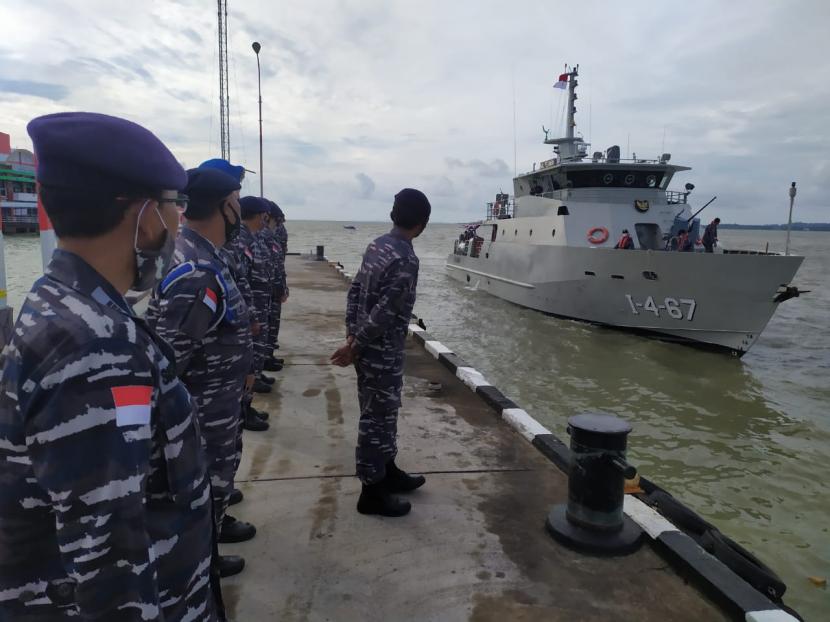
(152, 265)
(231, 228)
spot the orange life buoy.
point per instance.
(603, 235)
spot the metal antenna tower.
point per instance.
(224, 94)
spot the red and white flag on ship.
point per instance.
(562, 82)
(132, 404)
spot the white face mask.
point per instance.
(152, 265)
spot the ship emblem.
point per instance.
(641, 206)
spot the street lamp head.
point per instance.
(256, 47)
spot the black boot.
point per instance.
(253, 423)
(234, 530)
(267, 379)
(273, 364)
(261, 387)
(230, 565)
(260, 413)
(401, 481)
(235, 497)
(376, 499)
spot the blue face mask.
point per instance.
(151, 265)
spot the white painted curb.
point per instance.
(436, 347)
(773, 615)
(646, 517)
(471, 377)
(523, 423)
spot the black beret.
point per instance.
(87, 149)
(205, 187)
(251, 206)
(411, 208)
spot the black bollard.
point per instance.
(593, 520)
(321, 255)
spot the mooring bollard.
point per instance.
(321, 254)
(593, 520)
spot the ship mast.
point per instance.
(224, 96)
(569, 147)
(571, 126)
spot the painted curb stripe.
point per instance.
(471, 377)
(452, 361)
(652, 522)
(526, 425)
(712, 575)
(435, 348)
(554, 450)
(771, 615)
(495, 398)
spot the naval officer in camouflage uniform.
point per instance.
(252, 260)
(380, 303)
(279, 293)
(255, 212)
(105, 509)
(198, 309)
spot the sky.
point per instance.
(362, 98)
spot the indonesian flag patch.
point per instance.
(210, 299)
(132, 405)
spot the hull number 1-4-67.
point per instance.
(676, 308)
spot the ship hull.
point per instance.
(719, 301)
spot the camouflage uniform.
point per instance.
(280, 287)
(105, 510)
(200, 311)
(379, 308)
(252, 257)
(282, 237)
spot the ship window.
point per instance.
(649, 275)
(562, 211)
(515, 232)
(502, 231)
(553, 233)
(531, 232)
(590, 273)
(617, 178)
(617, 276)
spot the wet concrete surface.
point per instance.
(474, 546)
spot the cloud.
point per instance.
(368, 85)
(366, 186)
(54, 92)
(496, 168)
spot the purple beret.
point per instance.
(251, 206)
(274, 210)
(205, 186)
(83, 149)
(237, 172)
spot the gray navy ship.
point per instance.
(551, 248)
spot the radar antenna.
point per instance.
(224, 95)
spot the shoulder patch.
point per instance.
(175, 274)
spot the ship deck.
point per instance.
(474, 546)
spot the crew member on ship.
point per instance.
(710, 236)
(625, 242)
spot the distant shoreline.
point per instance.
(797, 226)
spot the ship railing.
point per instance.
(676, 198)
(499, 211)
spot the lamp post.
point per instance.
(790, 220)
(257, 48)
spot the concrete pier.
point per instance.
(474, 546)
